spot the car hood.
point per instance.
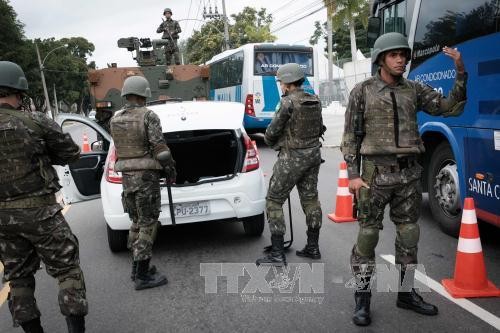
(199, 115)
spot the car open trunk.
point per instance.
(205, 155)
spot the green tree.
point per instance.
(341, 38)
(250, 26)
(346, 13)
(11, 32)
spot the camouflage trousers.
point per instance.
(295, 167)
(402, 191)
(172, 50)
(141, 199)
(28, 236)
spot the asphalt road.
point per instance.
(184, 305)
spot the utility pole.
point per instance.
(330, 48)
(55, 101)
(226, 26)
(47, 101)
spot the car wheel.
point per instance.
(254, 225)
(444, 190)
(117, 239)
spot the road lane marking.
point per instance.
(5, 290)
(467, 305)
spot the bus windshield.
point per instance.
(268, 62)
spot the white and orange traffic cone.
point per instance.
(470, 279)
(85, 145)
(343, 203)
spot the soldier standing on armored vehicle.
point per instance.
(171, 30)
(142, 153)
(381, 131)
(32, 226)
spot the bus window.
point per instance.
(268, 62)
(439, 25)
(397, 18)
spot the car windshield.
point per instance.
(268, 62)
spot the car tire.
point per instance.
(254, 225)
(117, 239)
(444, 191)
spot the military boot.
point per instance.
(361, 315)
(311, 250)
(32, 326)
(152, 270)
(276, 256)
(408, 298)
(145, 279)
(413, 301)
(76, 324)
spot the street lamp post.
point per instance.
(40, 63)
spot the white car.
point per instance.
(218, 171)
(92, 114)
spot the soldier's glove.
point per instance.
(168, 164)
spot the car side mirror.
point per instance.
(373, 30)
(97, 145)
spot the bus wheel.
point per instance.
(444, 190)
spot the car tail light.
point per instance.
(251, 156)
(111, 175)
(249, 110)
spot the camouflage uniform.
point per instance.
(171, 30)
(298, 161)
(138, 128)
(389, 153)
(32, 227)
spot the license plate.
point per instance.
(191, 209)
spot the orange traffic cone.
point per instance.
(343, 204)
(470, 279)
(85, 145)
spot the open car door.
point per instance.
(81, 180)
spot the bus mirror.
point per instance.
(373, 30)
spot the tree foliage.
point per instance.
(250, 26)
(66, 68)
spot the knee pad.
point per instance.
(409, 234)
(367, 241)
(21, 300)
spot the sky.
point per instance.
(104, 22)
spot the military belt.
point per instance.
(32, 202)
(392, 164)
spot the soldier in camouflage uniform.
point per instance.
(171, 30)
(32, 227)
(294, 132)
(387, 105)
(140, 148)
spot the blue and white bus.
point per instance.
(462, 153)
(248, 75)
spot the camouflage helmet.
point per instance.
(390, 41)
(289, 73)
(12, 76)
(136, 85)
(167, 10)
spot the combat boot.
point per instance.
(413, 301)
(152, 270)
(276, 256)
(76, 324)
(145, 279)
(311, 250)
(361, 315)
(32, 326)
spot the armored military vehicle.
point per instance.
(181, 82)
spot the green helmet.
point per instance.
(167, 10)
(136, 85)
(12, 76)
(390, 41)
(289, 73)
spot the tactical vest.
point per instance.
(132, 147)
(21, 167)
(390, 121)
(305, 126)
